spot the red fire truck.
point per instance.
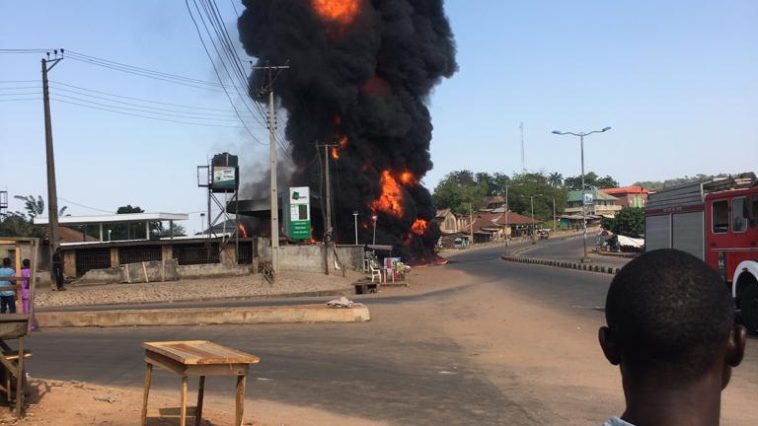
(716, 221)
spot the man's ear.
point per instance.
(610, 346)
(735, 349)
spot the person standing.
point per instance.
(7, 297)
(26, 274)
(58, 270)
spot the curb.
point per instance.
(206, 316)
(563, 264)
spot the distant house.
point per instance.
(495, 202)
(494, 226)
(447, 221)
(629, 196)
(602, 204)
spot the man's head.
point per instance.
(671, 318)
(6, 262)
(26, 263)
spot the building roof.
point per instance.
(634, 189)
(484, 222)
(114, 218)
(576, 196)
(442, 213)
(68, 235)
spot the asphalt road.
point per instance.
(570, 249)
(401, 367)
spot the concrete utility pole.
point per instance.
(355, 223)
(471, 222)
(581, 135)
(273, 164)
(52, 191)
(507, 228)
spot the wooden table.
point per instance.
(197, 358)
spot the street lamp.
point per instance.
(355, 220)
(581, 136)
(374, 218)
(202, 222)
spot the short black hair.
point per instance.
(26, 263)
(669, 313)
(6, 262)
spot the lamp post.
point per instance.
(581, 136)
(531, 202)
(355, 220)
(507, 228)
(202, 222)
(374, 218)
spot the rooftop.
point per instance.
(634, 189)
(113, 218)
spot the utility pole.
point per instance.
(523, 158)
(471, 222)
(269, 89)
(355, 223)
(52, 191)
(328, 230)
(507, 227)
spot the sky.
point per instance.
(675, 80)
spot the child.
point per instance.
(672, 330)
(26, 274)
(7, 297)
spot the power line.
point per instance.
(139, 99)
(86, 207)
(218, 75)
(141, 115)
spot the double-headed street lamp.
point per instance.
(581, 136)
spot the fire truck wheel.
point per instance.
(749, 307)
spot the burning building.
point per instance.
(360, 74)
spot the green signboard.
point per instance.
(297, 213)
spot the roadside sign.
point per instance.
(588, 198)
(297, 213)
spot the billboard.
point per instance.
(224, 177)
(297, 213)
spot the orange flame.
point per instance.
(335, 154)
(339, 11)
(391, 199)
(420, 226)
(407, 178)
(243, 231)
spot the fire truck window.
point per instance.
(720, 217)
(753, 210)
(739, 214)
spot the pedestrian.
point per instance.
(58, 270)
(7, 297)
(26, 274)
(673, 333)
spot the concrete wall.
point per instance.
(310, 258)
(212, 270)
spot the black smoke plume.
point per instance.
(359, 76)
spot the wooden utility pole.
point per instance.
(471, 222)
(52, 192)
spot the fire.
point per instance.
(335, 154)
(420, 226)
(243, 231)
(407, 178)
(391, 199)
(339, 11)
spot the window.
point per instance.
(720, 217)
(739, 214)
(753, 210)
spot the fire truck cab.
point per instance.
(716, 221)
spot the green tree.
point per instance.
(555, 179)
(15, 225)
(523, 186)
(458, 190)
(35, 206)
(127, 231)
(591, 179)
(164, 232)
(629, 221)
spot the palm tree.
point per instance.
(555, 179)
(35, 206)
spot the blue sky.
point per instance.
(676, 80)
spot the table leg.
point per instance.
(146, 392)
(240, 402)
(20, 378)
(199, 410)
(183, 408)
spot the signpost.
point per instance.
(297, 213)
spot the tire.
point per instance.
(749, 307)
